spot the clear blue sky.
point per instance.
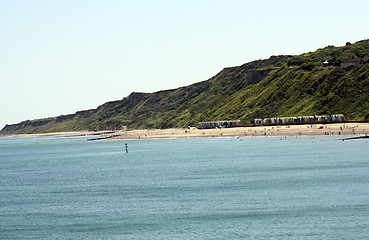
(61, 56)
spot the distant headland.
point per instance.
(327, 81)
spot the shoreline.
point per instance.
(337, 129)
(60, 134)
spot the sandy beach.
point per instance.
(357, 129)
(337, 129)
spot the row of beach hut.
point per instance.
(300, 120)
(219, 124)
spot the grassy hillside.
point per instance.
(276, 87)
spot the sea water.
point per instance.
(204, 188)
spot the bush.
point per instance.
(308, 66)
(295, 61)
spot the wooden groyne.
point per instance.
(102, 137)
(353, 138)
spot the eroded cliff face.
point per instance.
(256, 76)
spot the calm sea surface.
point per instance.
(207, 188)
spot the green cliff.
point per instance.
(275, 87)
